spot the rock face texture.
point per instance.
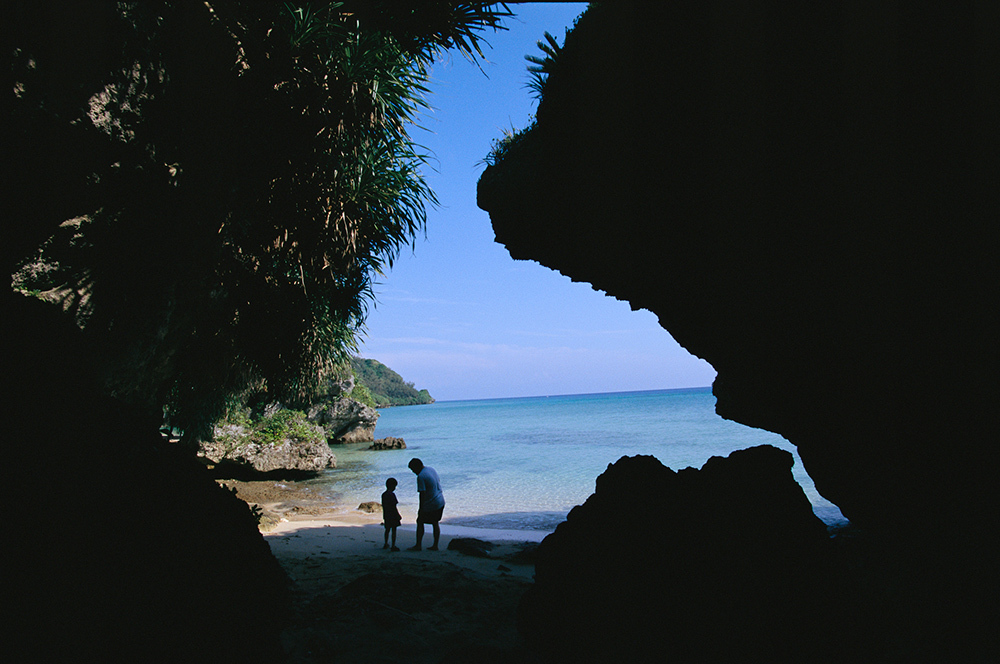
(295, 455)
(388, 443)
(345, 421)
(806, 198)
(342, 387)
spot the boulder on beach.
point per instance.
(371, 507)
(471, 546)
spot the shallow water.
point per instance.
(523, 463)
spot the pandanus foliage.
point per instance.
(541, 67)
(538, 75)
(228, 179)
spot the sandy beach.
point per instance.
(354, 601)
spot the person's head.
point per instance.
(416, 465)
(390, 484)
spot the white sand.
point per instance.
(357, 536)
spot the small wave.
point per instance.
(532, 521)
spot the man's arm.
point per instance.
(422, 490)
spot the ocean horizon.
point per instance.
(568, 394)
(521, 463)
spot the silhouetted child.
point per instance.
(390, 513)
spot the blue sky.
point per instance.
(461, 318)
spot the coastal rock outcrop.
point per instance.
(342, 386)
(805, 197)
(388, 443)
(720, 564)
(345, 420)
(232, 445)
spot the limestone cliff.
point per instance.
(234, 445)
(345, 420)
(805, 195)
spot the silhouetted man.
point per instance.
(431, 502)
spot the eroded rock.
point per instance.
(371, 507)
(232, 445)
(388, 443)
(345, 421)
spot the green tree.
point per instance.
(210, 188)
(385, 386)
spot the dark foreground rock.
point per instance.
(127, 550)
(723, 564)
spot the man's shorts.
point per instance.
(429, 516)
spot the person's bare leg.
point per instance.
(420, 536)
(437, 536)
(394, 547)
(386, 545)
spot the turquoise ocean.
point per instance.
(523, 463)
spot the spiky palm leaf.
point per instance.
(259, 174)
(543, 66)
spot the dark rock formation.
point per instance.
(805, 196)
(803, 204)
(370, 507)
(726, 563)
(388, 443)
(121, 547)
(345, 421)
(232, 446)
(525, 554)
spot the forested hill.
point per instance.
(386, 386)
